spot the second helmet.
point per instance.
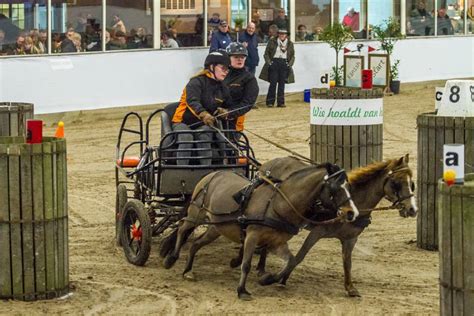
(236, 49)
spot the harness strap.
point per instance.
(293, 208)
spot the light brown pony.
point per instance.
(390, 179)
(270, 218)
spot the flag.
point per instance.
(371, 49)
(346, 50)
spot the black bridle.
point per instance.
(399, 197)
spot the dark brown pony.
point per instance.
(273, 215)
(390, 179)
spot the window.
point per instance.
(353, 14)
(311, 18)
(381, 11)
(420, 17)
(234, 12)
(450, 18)
(269, 16)
(182, 23)
(470, 17)
(76, 26)
(129, 24)
(23, 26)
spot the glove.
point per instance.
(207, 118)
(222, 113)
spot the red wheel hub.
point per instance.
(136, 232)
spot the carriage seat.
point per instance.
(128, 162)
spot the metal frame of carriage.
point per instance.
(152, 191)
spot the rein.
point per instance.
(293, 208)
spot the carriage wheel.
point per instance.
(136, 232)
(120, 200)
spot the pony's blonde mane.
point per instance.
(364, 174)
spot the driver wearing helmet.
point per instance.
(203, 97)
(242, 86)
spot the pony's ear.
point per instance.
(402, 161)
(406, 159)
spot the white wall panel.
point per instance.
(73, 82)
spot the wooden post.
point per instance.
(456, 251)
(433, 132)
(349, 146)
(13, 118)
(33, 219)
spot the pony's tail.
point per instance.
(169, 243)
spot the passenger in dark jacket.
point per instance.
(250, 41)
(220, 38)
(242, 86)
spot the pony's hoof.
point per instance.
(190, 276)
(267, 279)
(245, 296)
(353, 292)
(168, 262)
(235, 263)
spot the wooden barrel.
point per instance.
(456, 250)
(433, 132)
(33, 219)
(349, 146)
(13, 118)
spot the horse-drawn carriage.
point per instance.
(154, 187)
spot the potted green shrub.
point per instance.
(336, 35)
(388, 34)
(394, 81)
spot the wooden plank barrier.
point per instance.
(33, 219)
(433, 132)
(349, 146)
(13, 118)
(456, 251)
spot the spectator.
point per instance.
(4, 47)
(138, 39)
(351, 19)
(29, 47)
(215, 20)
(167, 41)
(81, 23)
(279, 59)
(420, 21)
(118, 41)
(19, 48)
(77, 40)
(302, 35)
(272, 32)
(220, 38)
(281, 21)
(259, 27)
(56, 43)
(444, 23)
(249, 40)
(119, 25)
(67, 44)
(43, 41)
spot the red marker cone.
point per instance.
(60, 130)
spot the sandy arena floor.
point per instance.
(391, 273)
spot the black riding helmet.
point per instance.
(217, 58)
(236, 49)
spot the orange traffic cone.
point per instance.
(60, 130)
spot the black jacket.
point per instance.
(202, 93)
(243, 90)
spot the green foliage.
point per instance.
(336, 35)
(337, 74)
(394, 70)
(388, 34)
(239, 22)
